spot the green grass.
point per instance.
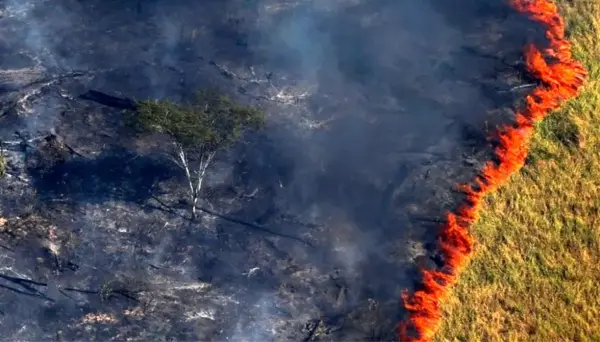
(535, 275)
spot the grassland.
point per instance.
(535, 275)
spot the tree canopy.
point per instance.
(211, 121)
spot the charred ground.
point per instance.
(311, 228)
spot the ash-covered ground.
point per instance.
(310, 229)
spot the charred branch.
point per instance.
(38, 295)
(164, 206)
(105, 293)
(109, 100)
(27, 285)
(254, 226)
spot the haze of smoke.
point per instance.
(256, 326)
(350, 58)
(164, 50)
(312, 41)
(39, 29)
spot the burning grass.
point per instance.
(534, 274)
(536, 269)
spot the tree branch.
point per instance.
(184, 162)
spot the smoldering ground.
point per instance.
(311, 228)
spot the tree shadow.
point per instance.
(116, 174)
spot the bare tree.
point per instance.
(198, 130)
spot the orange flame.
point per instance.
(560, 77)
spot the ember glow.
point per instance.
(560, 77)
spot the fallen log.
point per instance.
(109, 100)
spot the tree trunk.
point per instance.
(194, 200)
(183, 163)
(204, 163)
